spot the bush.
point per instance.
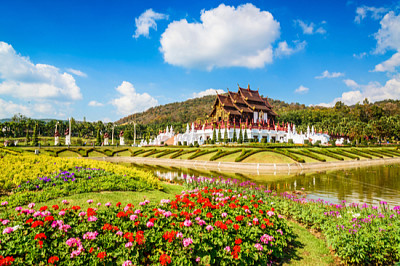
(306, 142)
(185, 143)
(79, 142)
(179, 143)
(290, 141)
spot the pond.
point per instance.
(367, 184)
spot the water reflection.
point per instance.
(367, 184)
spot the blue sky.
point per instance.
(107, 59)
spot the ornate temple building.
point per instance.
(246, 105)
(243, 112)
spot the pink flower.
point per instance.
(266, 238)
(280, 231)
(108, 204)
(228, 248)
(127, 263)
(92, 219)
(31, 205)
(4, 203)
(90, 235)
(187, 241)
(270, 213)
(209, 228)
(133, 217)
(119, 233)
(65, 202)
(126, 208)
(198, 259)
(150, 224)
(224, 214)
(61, 213)
(128, 245)
(187, 223)
(201, 222)
(82, 213)
(255, 220)
(5, 222)
(258, 246)
(8, 230)
(167, 214)
(99, 204)
(19, 208)
(179, 235)
(89, 201)
(137, 211)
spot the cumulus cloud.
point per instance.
(302, 90)
(351, 83)
(9, 108)
(95, 104)
(283, 48)
(388, 36)
(328, 75)
(129, 101)
(24, 79)
(77, 72)
(389, 65)
(363, 11)
(207, 92)
(146, 21)
(373, 91)
(310, 28)
(225, 37)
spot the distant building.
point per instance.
(244, 106)
(246, 112)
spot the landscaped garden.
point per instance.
(58, 211)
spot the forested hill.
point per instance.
(185, 112)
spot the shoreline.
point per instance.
(256, 168)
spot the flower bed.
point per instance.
(202, 226)
(19, 169)
(358, 233)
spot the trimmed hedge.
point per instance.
(288, 154)
(166, 152)
(370, 152)
(356, 152)
(308, 154)
(345, 154)
(199, 153)
(152, 152)
(247, 153)
(327, 153)
(137, 152)
(222, 153)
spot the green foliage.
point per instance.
(201, 152)
(214, 136)
(35, 141)
(234, 138)
(240, 137)
(247, 153)
(226, 140)
(307, 153)
(289, 154)
(223, 153)
(219, 135)
(98, 138)
(246, 138)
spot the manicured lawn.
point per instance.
(267, 157)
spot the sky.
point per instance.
(103, 60)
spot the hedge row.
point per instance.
(247, 153)
(137, 152)
(152, 152)
(166, 152)
(327, 153)
(199, 153)
(373, 153)
(288, 154)
(222, 153)
(308, 154)
(359, 153)
(345, 154)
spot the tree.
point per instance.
(98, 138)
(219, 135)
(214, 137)
(35, 135)
(234, 139)
(240, 138)
(246, 138)
(226, 140)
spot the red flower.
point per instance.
(140, 237)
(261, 211)
(118, 204)
(29, 221)
(129, 236)
(170, 236)
(255, 205)
(42, 209)
(102, 255)
(75, 208)
(121, 214)
(40, 244)
(55, 207)
(91, 250)
(49, 219)
(236, 226)
(209, 215)
(239, 218)
(165, 259)
(40, 236)
(6, 261)
(91, 212)
(36, 224)
(238, 241)
(53, 260)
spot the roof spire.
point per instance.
(216, 92)
(248, 86)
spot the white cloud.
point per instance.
(23, 79)
(95, 104)
(362, 12)
(130, 101)
(351, 83)
(360, 55)
(389, 65)
(146, 21)
(302, 90)
(9, 108)
(283, 48)
(373, 91)
(388, 36)
(77, 72)
(311, 28)
(327, 74)
(207, 92)
(226, 37)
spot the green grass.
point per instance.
(267, 157)
(308, 249)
